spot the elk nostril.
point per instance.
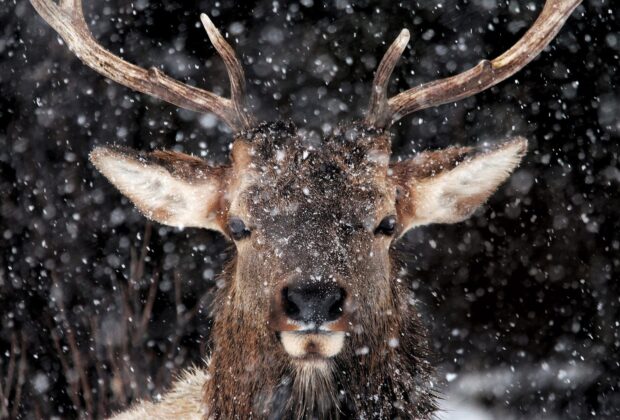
(313, 303)
(290, 308)
(337, 307)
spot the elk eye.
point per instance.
(237, 229)
(387, 226)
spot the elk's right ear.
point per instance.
(169, 187)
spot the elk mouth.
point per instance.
(309, 341)
(310, 320)
(312, 346)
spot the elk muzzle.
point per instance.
(309, 317)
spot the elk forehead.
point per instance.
(296, 189)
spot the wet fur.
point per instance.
(385, 382)
(370, 378)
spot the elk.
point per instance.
(312, 320)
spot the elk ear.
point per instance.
(169, 187)
(447, 186)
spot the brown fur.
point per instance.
(316, 197)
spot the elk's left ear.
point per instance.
(447, 186)
(169, 187)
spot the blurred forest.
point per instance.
(99, 307)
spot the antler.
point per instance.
(383, 111)
(67, 18)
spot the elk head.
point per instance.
(313, 283)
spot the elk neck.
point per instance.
(387, 357)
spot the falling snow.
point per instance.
(522, 300)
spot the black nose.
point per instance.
(313, 302)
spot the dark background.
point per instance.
(98, 307)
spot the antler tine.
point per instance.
(378, 106)
(67, 19)
(481, 77)
(233, 68)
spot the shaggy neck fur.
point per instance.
(382, 372)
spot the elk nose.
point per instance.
(313, 303)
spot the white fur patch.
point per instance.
(324, 345)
